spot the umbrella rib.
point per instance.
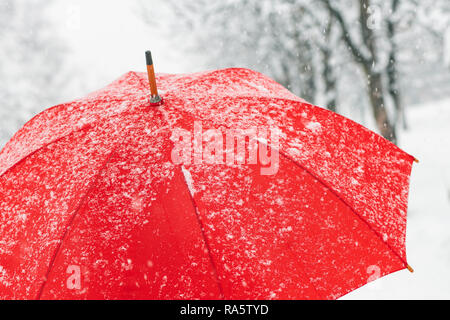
(205, 239)
(346, 204)
(85, 127)
(62, 106)
(309, 105)
(72, 218)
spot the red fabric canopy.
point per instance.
(93, 205)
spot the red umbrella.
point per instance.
(111, 197)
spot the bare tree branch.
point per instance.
(357, 54)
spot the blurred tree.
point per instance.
(391, 69)
(365, 51)
(411, 29)
(280, 38)
(31, 58)
(361, 52)
(328, 75)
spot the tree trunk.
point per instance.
(392, 72)
(309, 89)
(375, 83)
(285, 78)
(330, 81)
(368, 62)
(376, 98)
(327, 72)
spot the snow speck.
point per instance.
(314, 126)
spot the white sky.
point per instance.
(108, 39)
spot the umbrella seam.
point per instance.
(205, 239)
(82, 201)
(345, 203)
(61, 105)
(94, 99)
(85, 127)
(321, 109)
(72, 219)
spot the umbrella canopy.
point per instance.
(96, 204)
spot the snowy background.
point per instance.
(332, 53)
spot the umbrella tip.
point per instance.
(155, 99)
(409, 268)
(416, 160)
(148, 57)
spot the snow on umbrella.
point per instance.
(232, 188)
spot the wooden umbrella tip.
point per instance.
(416, 160)
(155, 99)
(409, 268)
